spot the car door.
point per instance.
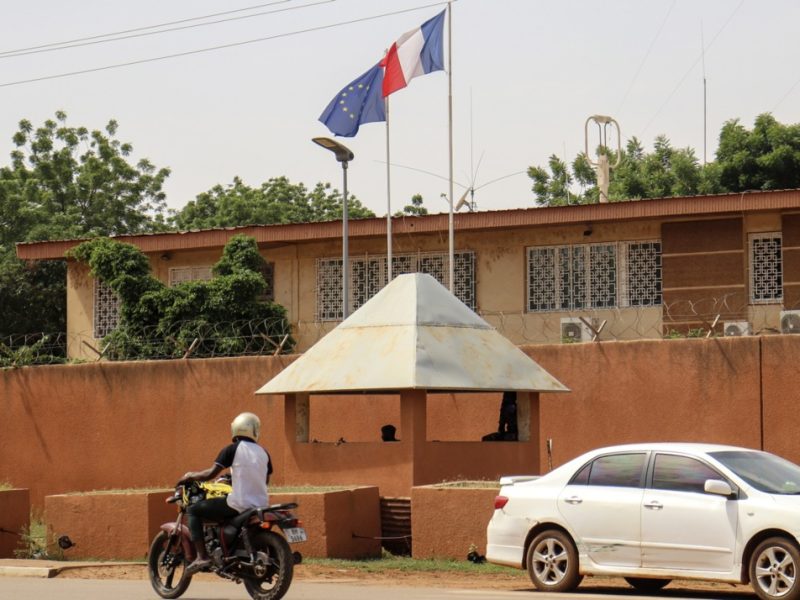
(602, 505)
(683, 527)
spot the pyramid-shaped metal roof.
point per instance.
(413, 334)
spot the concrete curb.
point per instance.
(52, 570)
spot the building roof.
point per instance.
(266, 235)
(413, 334)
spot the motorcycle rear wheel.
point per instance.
(280, 567)
(164, 566)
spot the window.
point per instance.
(183, 274)
(106, 310)
(368, 276)
(619, 470)
(766, 268)
(268, 273)
(592, 276)
(681, 474)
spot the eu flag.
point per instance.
(360, 101)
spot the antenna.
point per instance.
(705, 105)
(602, 165)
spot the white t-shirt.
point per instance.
(249, 465)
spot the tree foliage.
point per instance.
(276, 201)
(158, 321)
(764, 158)
(66, 182)
(415, 208)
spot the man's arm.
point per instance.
(204, 475)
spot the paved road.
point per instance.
(24, 588)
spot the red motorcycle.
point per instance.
(252, 548)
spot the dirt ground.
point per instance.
(513, 580)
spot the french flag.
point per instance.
(417, 52)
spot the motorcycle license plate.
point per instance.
(295, 534)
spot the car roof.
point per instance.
(692, 447)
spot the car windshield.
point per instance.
(764, 471)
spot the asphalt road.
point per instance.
(24, 588)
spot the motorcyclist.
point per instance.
(250, 467)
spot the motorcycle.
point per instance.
(252, 548)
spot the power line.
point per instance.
(646, 55)
(148, 33)
(220, 47)
(124, 31)
(694, 64)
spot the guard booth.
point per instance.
(412, 338)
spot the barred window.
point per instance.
(183, 274)
(268, 273)
(766, 268)
(591, 276)
(106, 310)
(368, 275)
(642, 265)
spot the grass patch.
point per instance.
(5, 486)
(309, 489)
(470, 484)
(119, 491)
(33, 542)
(407, 564)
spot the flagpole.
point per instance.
(388, 200)
(450, 129)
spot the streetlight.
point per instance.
(343, 155)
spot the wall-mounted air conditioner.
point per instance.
(736, 328)
(790, 321)
(573, 329)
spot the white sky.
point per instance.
(526, 75)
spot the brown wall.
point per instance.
(122, 425)
(791, 261)
(447, 521)
(15, 510)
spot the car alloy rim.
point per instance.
(550, 561)
(775, 571)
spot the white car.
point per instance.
(655, 512)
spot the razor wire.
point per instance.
(702, 317)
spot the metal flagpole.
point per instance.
(388, 201)
(450, 125)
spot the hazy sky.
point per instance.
(526, 75)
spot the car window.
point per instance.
(582, 476)
(681, 473)
(621, 470)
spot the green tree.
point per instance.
(414, 209)
(666, 171)
(66, 182)
(276, 201)
(764, 158)
(156, 321)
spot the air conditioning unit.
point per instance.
(573, 329)
(736, 328)
(790, 321)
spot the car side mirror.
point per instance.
(719, 487)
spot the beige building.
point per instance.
(627, 270)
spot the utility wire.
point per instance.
(694, 64)
(124, 31)
(148, 33)
(220, 47)
(646, 55)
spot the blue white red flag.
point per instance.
(417, 52)
(360, 101)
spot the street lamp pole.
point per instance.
(343, 155)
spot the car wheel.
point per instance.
(646, 584)
(774, 570)
(553, 562)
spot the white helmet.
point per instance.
(246, 425)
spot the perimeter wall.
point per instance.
(143, 424)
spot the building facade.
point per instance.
(646, 269)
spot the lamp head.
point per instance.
(342, 152)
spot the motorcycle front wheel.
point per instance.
(274, 569)
(166, 567)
